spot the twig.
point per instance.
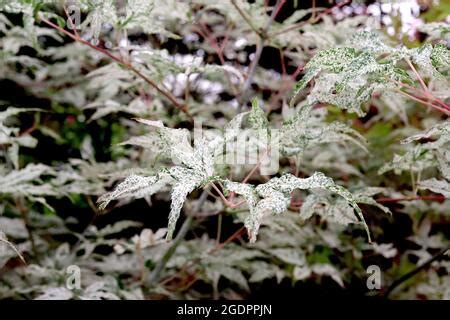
(4, 240)
(425, 88)
(429, 198)
(219, 49)
(231, 238)
(219, 228)
(313, 16)
(413, 183)
(188, 285)
(426, 95)
(259, 48)
(316, 19)
(222, 197)
(422, 83)
(246, 18)
(227, 202)
(413, 272)
(250, 174)
(141, 261)
(283, 64)
(206, 34)
(24, 213)
(125, 64)
(423, 101)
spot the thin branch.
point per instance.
(227, 202)
(170, 252)
(251, 74)
(316, 19)
(429, 198)
(231, 238)
(125, 64)
(219, 228)
(250, 174)
(427, 95)
(188, 285)
(4, 240)
(246, 18)
(206, 34)
(219, 49)
(141, 259)
(442, 103)
(283, 64)
(259, 48)
(24, 213)
(423, 102)
(415, 271)
(222, 197)
(425, 88)
(422, 83)
(72, 25)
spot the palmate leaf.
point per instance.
(421, 156)
(332, 158)
(100, 14)
(288, 183)
(229, 263)
(291, 256)
(332, 209)
(195, 167)
(215, 271)
(146, 16)
(366, 196)
(340, 78)
(274, 197)
(309, 128)
(137, 107)
(338, 209)
(348, 76)
(173, 143)
(333, 60)
(248, 192)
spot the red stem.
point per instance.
(316, 19)
(429, 198)
(127, 65)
